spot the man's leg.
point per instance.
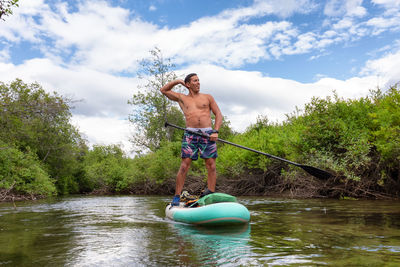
(181, 176)
(211, 173)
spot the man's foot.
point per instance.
(206, 192)
(176, 200)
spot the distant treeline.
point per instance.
(358, 141)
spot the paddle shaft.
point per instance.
(321, 174)
(233, 144)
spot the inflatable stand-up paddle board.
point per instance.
(212, 209)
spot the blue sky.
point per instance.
(256, 57)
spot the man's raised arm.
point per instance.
(167, 89)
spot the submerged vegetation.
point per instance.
(357, 140)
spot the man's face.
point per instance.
(194, 83)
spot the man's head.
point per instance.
(189, 76)
(192, 82)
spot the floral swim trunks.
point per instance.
(192, 144)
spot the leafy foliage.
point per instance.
(261, 136)
(105, 167)
(37, 122)
(339, 128)
(160, 165)
(357, 140)
(23, 173)
(385, 122)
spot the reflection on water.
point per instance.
(218, 245)
(130, 231)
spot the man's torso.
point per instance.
(196, 110)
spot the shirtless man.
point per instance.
(197, 109)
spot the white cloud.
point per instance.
(105, 131)
(4, 55)
(106, 38)
(110, 39)
(260, 8)
(21, 25)
(152, 8)
(381, 24)
(103, 94)
(226, 44)
(386, 68)
(387, 3)
(343, 24)
(391, 6)
(351, 8)
(305, 43)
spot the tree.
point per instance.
(150, 108)
(33, 120)
(5, 7)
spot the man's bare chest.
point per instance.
(193, 104)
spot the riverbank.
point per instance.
(254, 184)
(10, 196)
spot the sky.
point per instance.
(256, 57)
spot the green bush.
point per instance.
(272, 139)
(386, 125)
(354, 139)
(157, 166)
(23, 173)
(338, 130)
(104, 167)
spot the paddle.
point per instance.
(321, 174)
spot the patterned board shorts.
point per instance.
(192, 144)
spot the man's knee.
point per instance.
(210, 164)
(185, 165)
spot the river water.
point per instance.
(133, 231)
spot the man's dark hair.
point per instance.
(187, 78)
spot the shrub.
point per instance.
(22, 173)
